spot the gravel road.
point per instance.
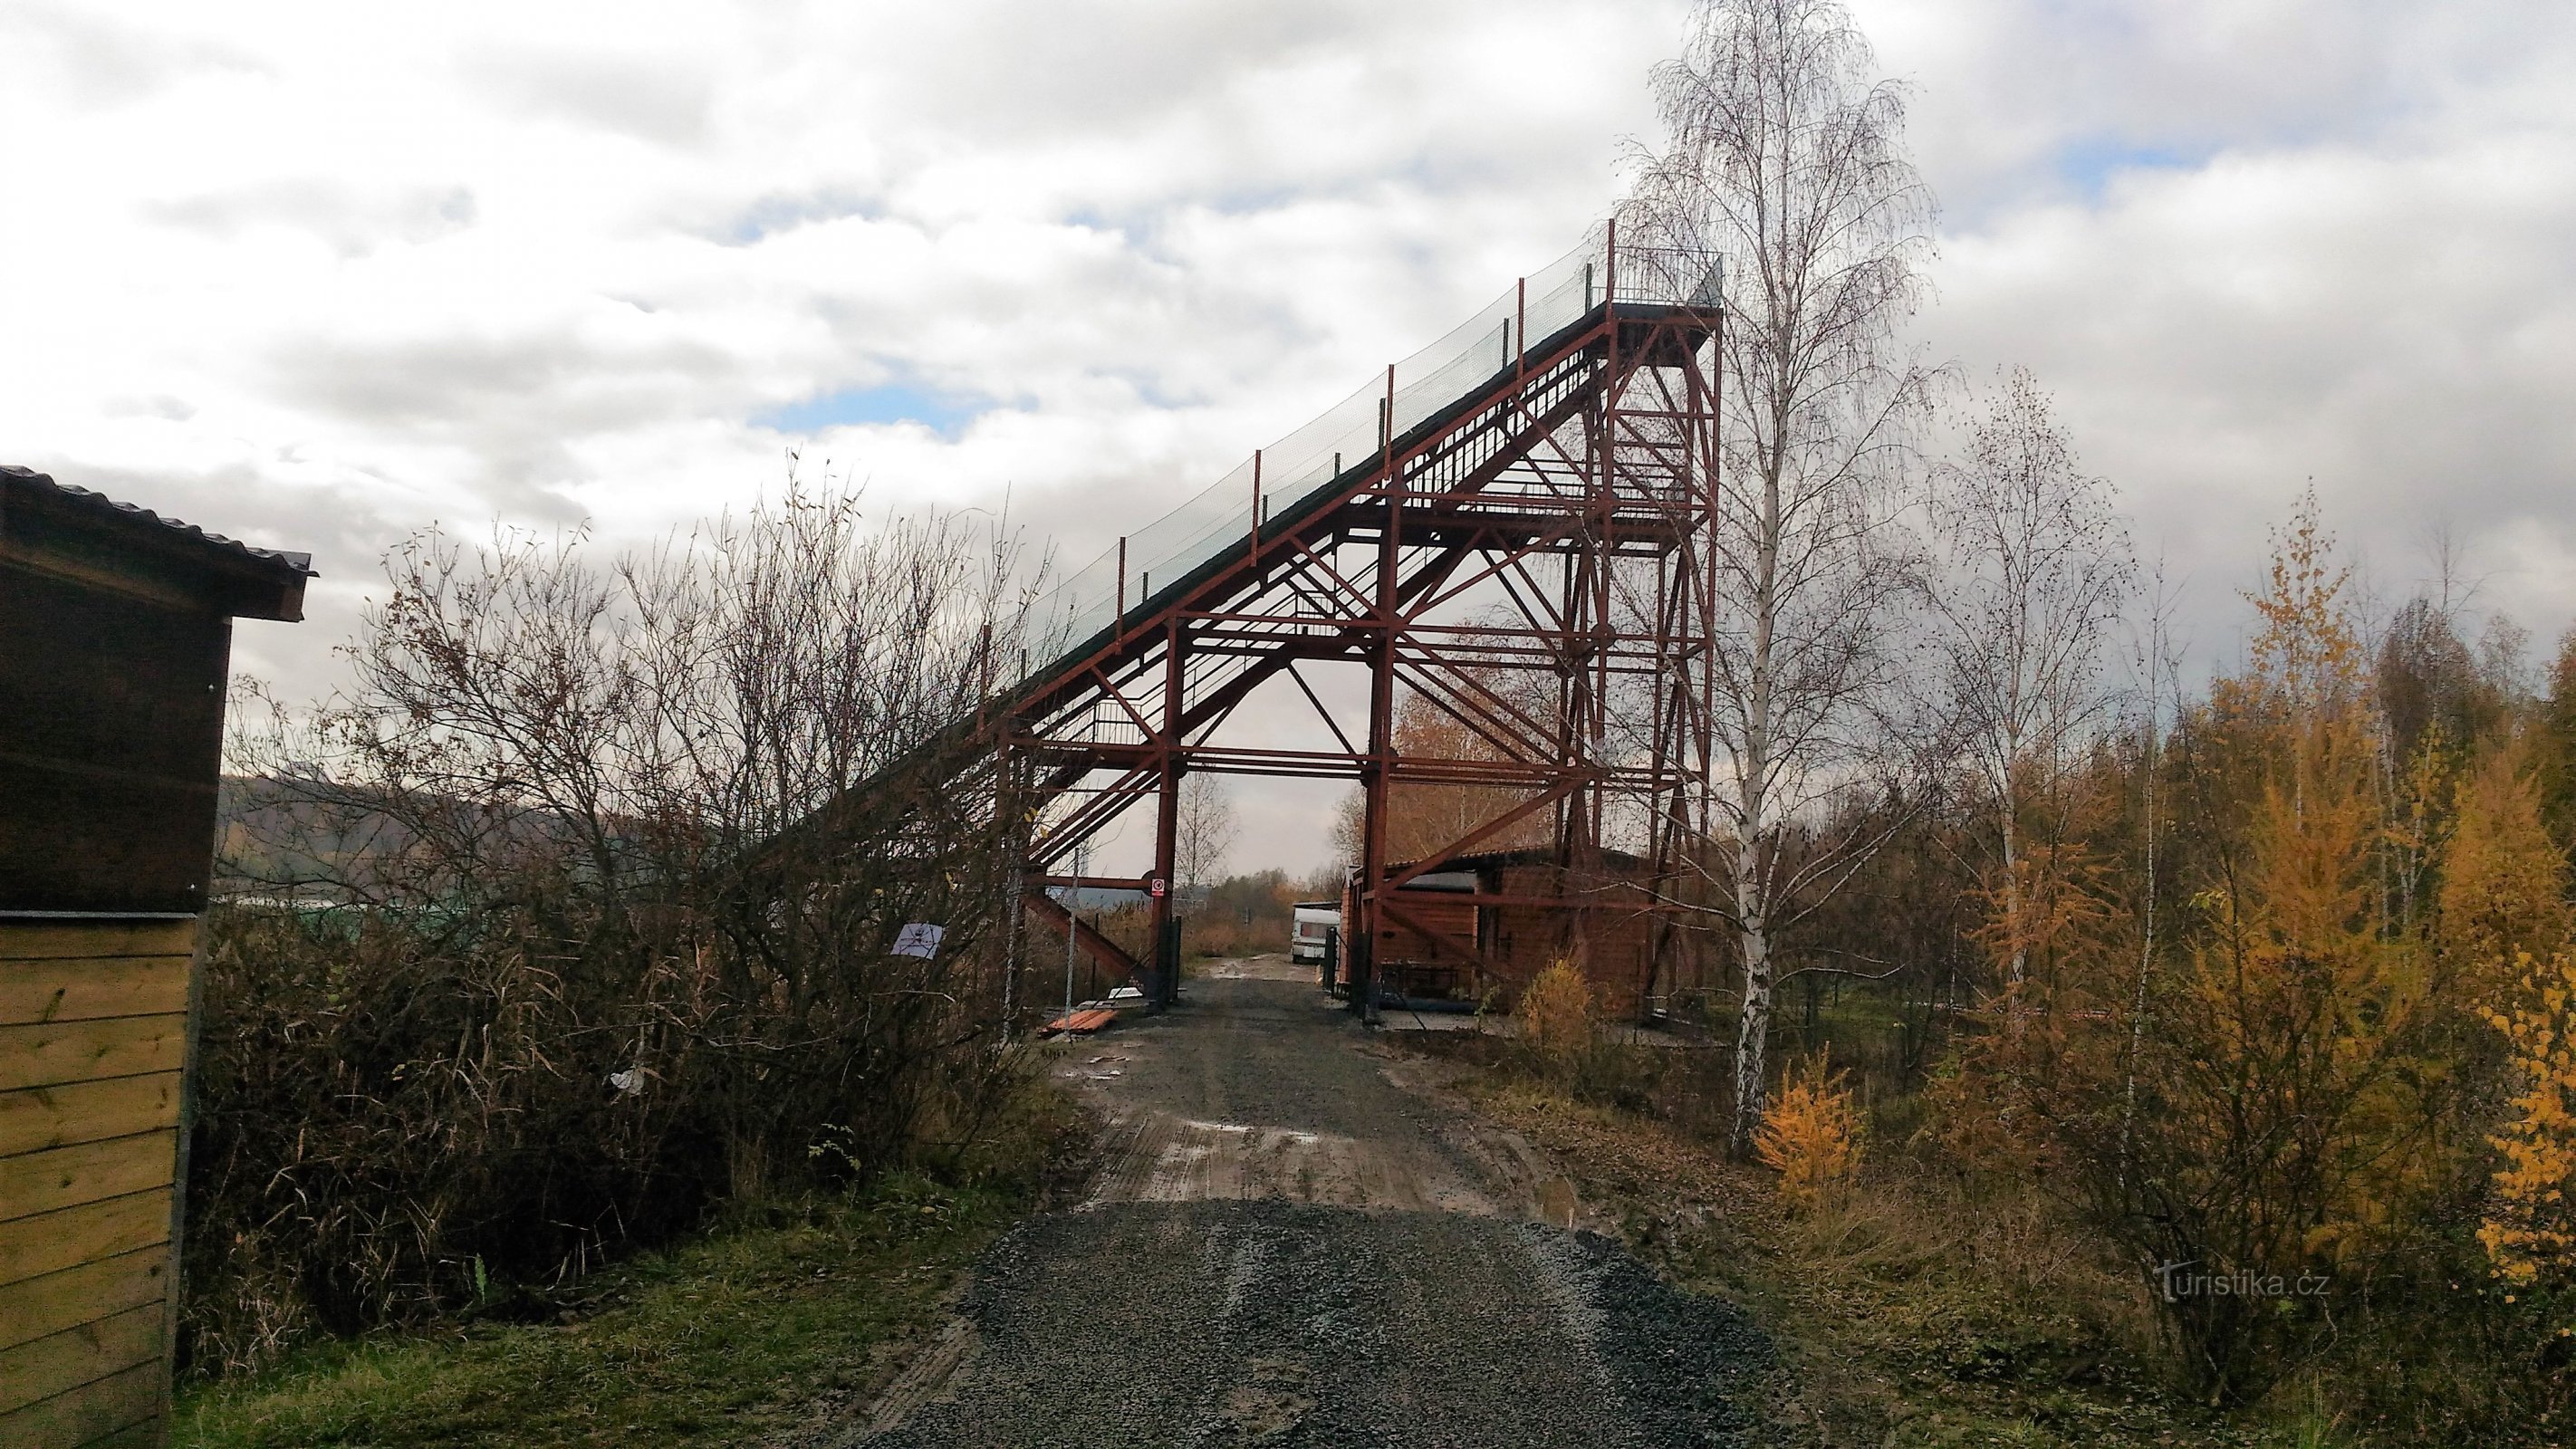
(1287, 1243)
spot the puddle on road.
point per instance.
(1158, 1156)
(1283, 1134)
(1156, 1153)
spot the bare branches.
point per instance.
(601, 864)
(1785, 157)
(1207, 830)
(2036, 571)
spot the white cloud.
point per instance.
(2356, 276)
(317, 275)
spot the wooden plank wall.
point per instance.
(1616, 946)
(1418, 965)
(93, 1038)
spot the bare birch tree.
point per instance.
(2036, 571)
(1785, 161)
(1207, 830)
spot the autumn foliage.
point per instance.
(1423, 818)
(2272, 1054)
(1556, 1011)
(1810, 1135)
(2530, 1225)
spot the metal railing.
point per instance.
(1354, 432)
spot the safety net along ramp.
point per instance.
(1343, 450)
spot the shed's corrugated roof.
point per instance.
(299, 563)
(1525, 855)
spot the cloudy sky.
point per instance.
(317, 276)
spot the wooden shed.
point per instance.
(115, 637)
(1481, 926)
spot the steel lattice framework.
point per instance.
(1566, 495)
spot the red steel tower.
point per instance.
(1510, 525)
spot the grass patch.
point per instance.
(786, 1310)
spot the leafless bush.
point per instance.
(576, 913)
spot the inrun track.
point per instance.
(1525, 502)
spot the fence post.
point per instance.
(1167, 965)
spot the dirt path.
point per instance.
(1265, 1091)
(1284, 1244)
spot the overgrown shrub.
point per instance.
(1556, 1013)
(575, 916)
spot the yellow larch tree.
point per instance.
(2504, 884)
(2529, 1228)
(1810, 1135)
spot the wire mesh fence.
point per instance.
(1353, 433)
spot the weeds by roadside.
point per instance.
(577, 912)
(1937, 1305)
(786, 1310)
(1905, 1313)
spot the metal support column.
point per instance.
(1167, 824)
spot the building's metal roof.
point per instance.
(1618, 860)
(99, 503)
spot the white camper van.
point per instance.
(1314, 918)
